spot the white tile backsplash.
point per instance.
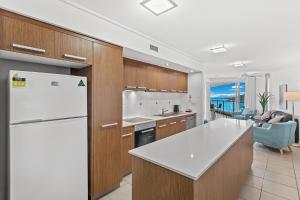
(137, 103)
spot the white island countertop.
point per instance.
(193, 151)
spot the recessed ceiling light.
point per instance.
(158, 7)
(167, 64)
(192, 71)
(218, 49)
(239, 64)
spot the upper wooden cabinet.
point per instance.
(153, 78)
(135, 75)
(25, 37)
(73, 48)
(143, 76)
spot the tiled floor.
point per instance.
(273, 177)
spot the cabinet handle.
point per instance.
(19, 46)
(185, 91)
(172, 123)
(173, 90)
(141, 87)
(109, 125)
(161, 126)
(183, 121)
(163, 90)
(149, 130)
(126, 135)
(74, 57)
(130, 87)
(180, 91)
(152, 89)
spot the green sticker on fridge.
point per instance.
(18, 82)
(81, 84)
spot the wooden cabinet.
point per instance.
(127, 143)
(151, 78)
(73, 48)
(24, 37)
(107, 118)
(105, 85)
(135, 75)
(162, 129)
(169, 127)
(182, 82)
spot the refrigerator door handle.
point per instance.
(29, 121)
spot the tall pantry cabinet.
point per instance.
(105, 83)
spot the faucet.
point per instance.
(164, 110)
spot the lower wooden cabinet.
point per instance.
(127, 143)
(169, 127)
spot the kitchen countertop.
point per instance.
(192, 152)
(154, 118)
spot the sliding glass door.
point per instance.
(227, 98)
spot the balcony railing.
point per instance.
(225, 107)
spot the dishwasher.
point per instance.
(190, 121)
(145, 133)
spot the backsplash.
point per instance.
(137, 103)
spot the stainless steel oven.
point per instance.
(145, 133)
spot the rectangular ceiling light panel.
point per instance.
(158, 7)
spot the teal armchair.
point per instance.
(246, 114)
(279, 135)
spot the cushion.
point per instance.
(266, 115)
(276, 119)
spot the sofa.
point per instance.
(246, 114)
(277, 135)
(286, 117)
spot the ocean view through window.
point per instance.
(228, 97)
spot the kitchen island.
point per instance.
(209, 162)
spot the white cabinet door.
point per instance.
(43, 96)
(48, 160)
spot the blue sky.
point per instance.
(227, 90)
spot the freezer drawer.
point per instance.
(48, 160)
(43, 96)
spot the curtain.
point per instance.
(207, 98)
(250, 92)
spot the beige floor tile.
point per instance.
(128, 179)
(105, 198)
(281, 179)
(268, 196)
(257, 172)
(280, 190)
(297, 173)
(281, 170)
(123, 193)
(297, 165)
(250, 193)
(254, 181)
(286, 164)
(259, 164)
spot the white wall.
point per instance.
(289, 76)
(196, 93)
(84, 21)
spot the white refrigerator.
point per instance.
(47, 136)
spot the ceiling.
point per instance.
(265, 33)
